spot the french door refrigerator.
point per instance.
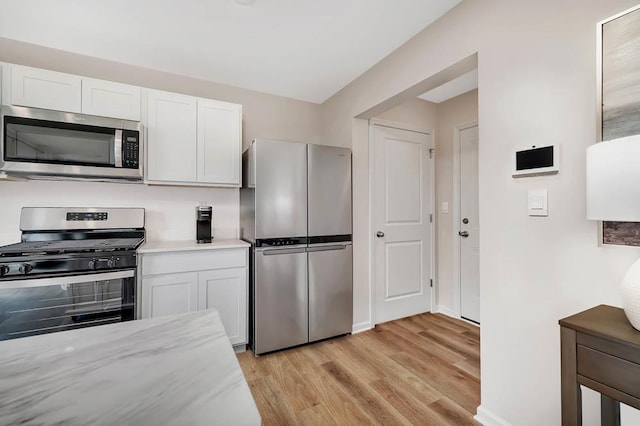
(296, 213)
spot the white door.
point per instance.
(469, 226)
(226, 291)
(171, 141)
(403, 232)
(169, 294)
(219, 142)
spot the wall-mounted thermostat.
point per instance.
(535, 161)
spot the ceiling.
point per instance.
(303, 49)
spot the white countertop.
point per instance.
(165, 246)
(175, 370)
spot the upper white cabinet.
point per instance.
(37, 88)
(193, 141)
(171, 138)
(109, 99)
(33, 87)
(219, 142)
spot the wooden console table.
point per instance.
(600, 350)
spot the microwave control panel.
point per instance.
(130, 149)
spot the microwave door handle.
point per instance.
(117, 148)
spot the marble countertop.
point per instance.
(165, 246)
(175, 370)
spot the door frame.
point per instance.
(457, 291)
(400, 126)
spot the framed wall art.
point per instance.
(619, 98)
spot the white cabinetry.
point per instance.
(219, 142)
(37, 88)
(169, 294)
(175, 282)
(226, 291)
(109, 99)
(171, 138)
(193, 141)
(33, 87)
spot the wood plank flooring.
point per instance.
(421, 370)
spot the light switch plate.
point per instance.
(538, 202)
(444, 208)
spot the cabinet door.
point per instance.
(226, 291)
(169, 294)
(219, 142)
(38, 88)
(171, 141)
(109, 99)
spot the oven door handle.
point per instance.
(74, 279)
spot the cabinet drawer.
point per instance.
(609, 370)
(188, 261)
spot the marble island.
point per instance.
(176, 370)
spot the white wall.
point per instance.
(169, 215)
(537, 84)
(414, 112)
(170, 211)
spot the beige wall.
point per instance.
(460, 110)
(169, 210)
(537, 84)
(414, 112)
(264, 115)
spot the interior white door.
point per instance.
(403, 234)
(469, 226)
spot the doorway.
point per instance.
(466, 222)
(402, 170)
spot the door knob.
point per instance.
(380, 234)
(463, 234)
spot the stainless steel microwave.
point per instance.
(39, 143)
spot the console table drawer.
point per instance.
(609, 370)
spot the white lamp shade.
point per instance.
(613, 180)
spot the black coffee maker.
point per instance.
(203, 224)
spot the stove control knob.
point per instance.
(4, 270)
(92, 264)
(111, 262)
(25, 268)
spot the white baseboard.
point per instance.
(360, 327)
(487, 418)
(446, 311)
(449, 312)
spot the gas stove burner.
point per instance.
(33, 248)
(56, 243)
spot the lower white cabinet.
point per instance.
(180, 282)
(226, 291)
(169, 294)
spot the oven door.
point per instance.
(46, 305)
(41, 142)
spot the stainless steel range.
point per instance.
(75, 267)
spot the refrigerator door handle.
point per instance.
(327, 248)
(271, 252)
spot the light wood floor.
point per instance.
(422, 370)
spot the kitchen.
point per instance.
(168, 201)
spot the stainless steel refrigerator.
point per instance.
(295, 210)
